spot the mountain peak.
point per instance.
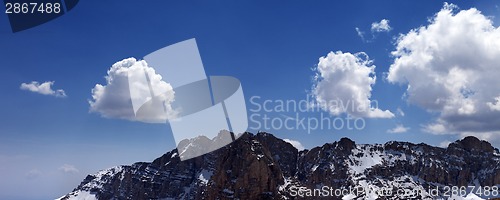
(471, 143)
(263, 166)
(346, 142)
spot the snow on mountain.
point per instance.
(265, 167)
(80, 195)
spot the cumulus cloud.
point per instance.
(295, 143)
(376, 27)
(437, 128)
(399, 129)
(113, 100)
(66, 168)
(45, 88)
(382, 26)
(343, 84)
(451, 68)
(494, 106)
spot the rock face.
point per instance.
(262, 166)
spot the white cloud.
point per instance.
(295, 143)
(360, 33)
(451, 68)
(376, 27)
(45, 88)
(382, 26)
(399, 129)
(436, 128)
(343, 84)
(113, 100)
(66, 168)
(400, 112)
(494, 106)
(444, 144)
(33, 174)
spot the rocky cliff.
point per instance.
(262, 166)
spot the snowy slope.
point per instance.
(265, 167)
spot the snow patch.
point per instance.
(349, 197)
(314, 168)
(205, 176)
(228, 191)
(367, 160)
(80, 195)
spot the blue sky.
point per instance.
(48, 144)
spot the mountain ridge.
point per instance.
(262, 166)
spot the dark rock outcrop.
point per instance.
(265, 167)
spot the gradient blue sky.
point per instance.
(270, 46)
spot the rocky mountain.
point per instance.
(262, 166)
